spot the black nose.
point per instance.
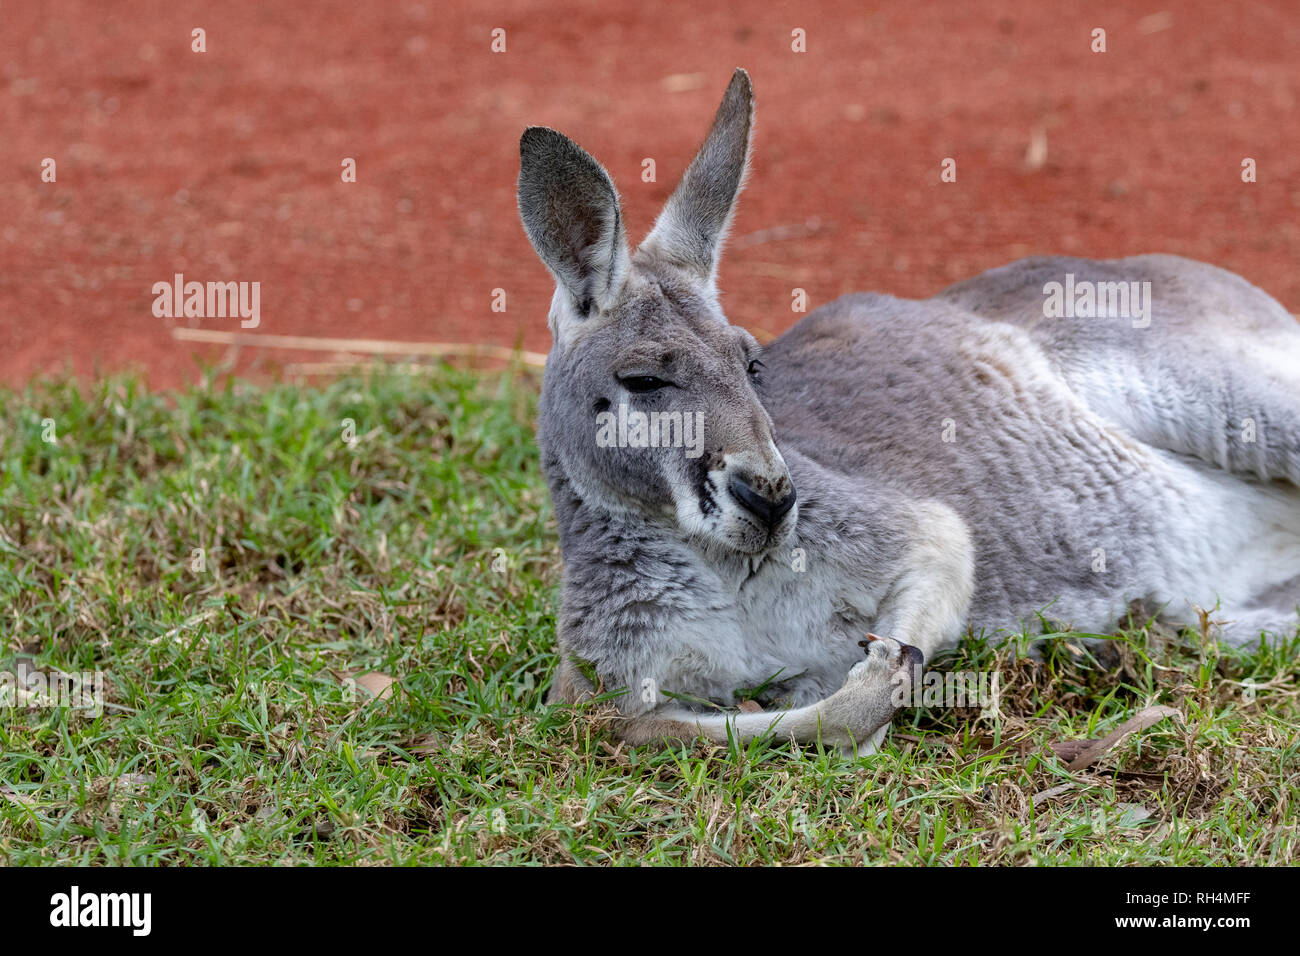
(758, 504)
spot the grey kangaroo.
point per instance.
(736, 518)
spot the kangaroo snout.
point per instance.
(766, 500)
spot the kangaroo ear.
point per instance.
(690, 230)
(571, 213)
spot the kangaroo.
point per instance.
(740, 523)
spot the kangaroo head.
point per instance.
(649, 402)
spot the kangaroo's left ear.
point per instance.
(690, 231)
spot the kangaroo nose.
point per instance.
(762, 507)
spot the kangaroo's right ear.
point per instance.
(571, 213)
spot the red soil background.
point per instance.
(225, 165)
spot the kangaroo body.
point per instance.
(908, 468)
(1094, 464)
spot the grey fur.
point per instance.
(958, 462)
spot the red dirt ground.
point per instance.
(225, 165)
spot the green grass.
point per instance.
(233, 732)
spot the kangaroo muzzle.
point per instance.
(767, 501)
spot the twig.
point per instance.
(368, 346)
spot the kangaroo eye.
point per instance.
(642, 383)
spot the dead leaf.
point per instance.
(750, 707)
(1082, 754)
(988, 746)
(1203, 621)
(22, 799)
(1155, 22)
(1050, 792)
(379, 685)
(1036, 153)
(1068, 750)
(1131, 814)
(427, 746)
(683, 82)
